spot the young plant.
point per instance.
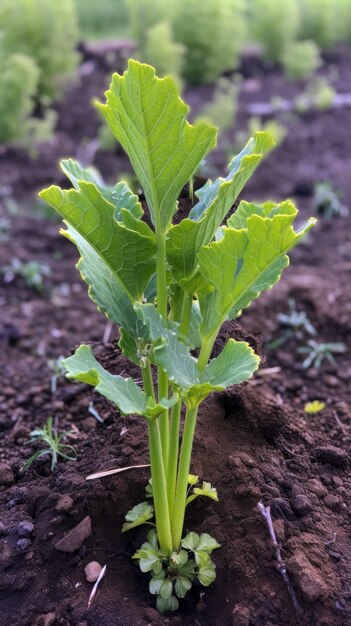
(58, 371)
(54, 447)
(327, 202)
(169, 287)
(32, 272)
(295, 323)
(318, 352)
(300, 59)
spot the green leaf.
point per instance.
(188, 569)
(216, 200)
(206, 490)
(235, 364)
(123, 392)
(129, 254)
(120, 195)
(190, 541)
(156, 582)
(207, 574)
(207, 543)
(108, 294)
(192, 479)
(182, 585)
(166, 589)
(169, 353)
(170, 604)
(179, 558)
(138, 515)
(148, 119)
(245, 262)
(202, 558)
(148, 559)
(241, 168)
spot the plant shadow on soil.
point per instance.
(252, 443)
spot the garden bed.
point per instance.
(254, 443)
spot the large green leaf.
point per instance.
(245, 262)
(216, 200)
(148, 118)
(129, 253)
(106, 291)
(234, 365)
(123, 392)
(119, 195)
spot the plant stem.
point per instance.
(183, 474)
(186, 314)
(159, 488)
(172, 465)
(158, 474)
(206, 350)
(161, 286)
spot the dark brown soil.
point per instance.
(252, 443)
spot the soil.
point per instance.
(253, 443)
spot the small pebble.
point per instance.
(333, 455)
(301, 505)
(25, 529)
(23, 544)
(316, 487)
(3, 529)
(332, 502)
(64, 503)
(6, 474)
(92, 571)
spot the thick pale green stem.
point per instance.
(161, 286)
(206, 350)
(159, 488)
(182, 480)
(186, 314)
(158, 474)
(172, 465)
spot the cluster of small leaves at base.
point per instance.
(172, 576)
(143, 513)
(54, 446)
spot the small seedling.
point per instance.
(327, 202)
(58, 371)
(295, 323)
(54, 446)
(32, 272)
(318, 352)
(311, 408)
(169, 287)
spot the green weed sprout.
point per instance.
(318, 352)
(54, 446)
(327, 202)
(31, 271)
(58, 371)
(295, 323)
(169, 288)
